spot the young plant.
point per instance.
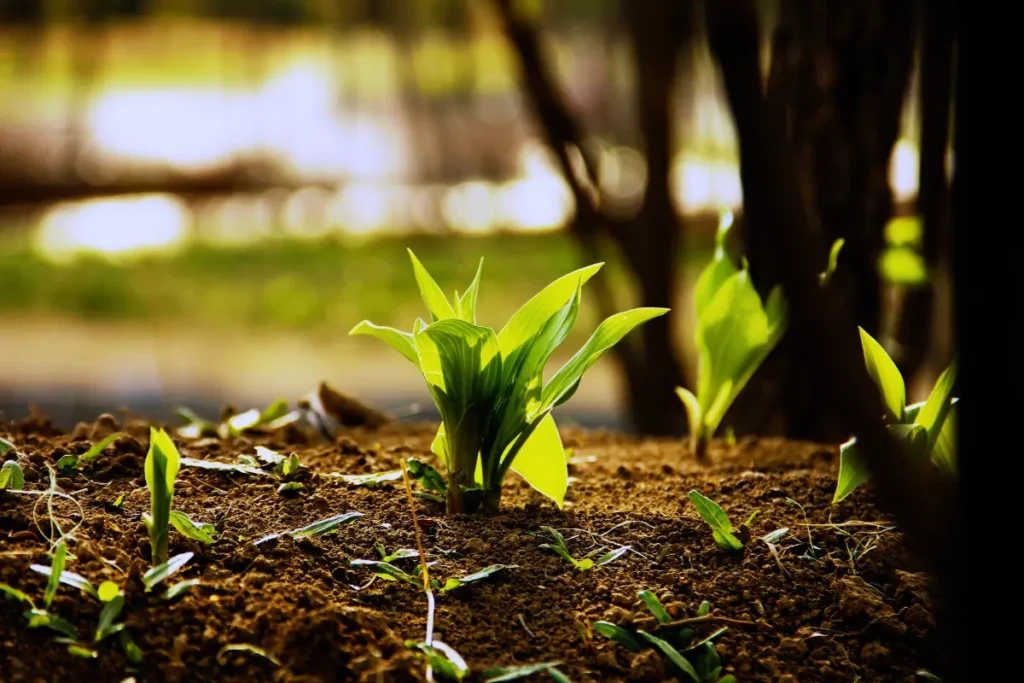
(559, 546)
(712, 513)
(677, 642)
(734, 334)
(11, 476)
(928, 426)
(162, 462)
(270, 419)
(495, 407)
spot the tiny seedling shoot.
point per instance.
(929, 426)
(725, 535)
(162, 462)
(734, 333)
(495, 407)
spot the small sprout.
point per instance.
(387, 571)
(611, 556)
(111, 611)
(501, 674)
(161, 467)
(5, 446)
(56, 569)
(179, 588)
(289, 488)
(317, 528)
(489, 386)
(929, 427)
(734, 333)
(672, 655)
(161, 572)
(71, 463)
(268, 456)
(11, 476)
(655, 607)
(290, 467)
(118, 502)
(452, 584)
(619, 635)
(775, 536)
(560, 547)
(204, 532)
(443, 659)
(82, 651)
(222, 658)
(833, 262)
(131, 650)
(719, 522)
(240, 468)
(68, 578)
(431, 479)
(270, 419)
(704, 609)
(41, 618)
(371, 479)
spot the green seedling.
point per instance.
(270, 419)
(317, 528)
(489, 387)
(240, 468)
(502, 674)
(371, 480)
(161, 572)
(725, 536)
(285, 467)
(43, 618)
(452, 584)
(71, 463)
(442, 659)
(929, 427)
(162, 462)
(5, 446)
(677, 642)
(734, 333)
(559, 545)
(11, 476)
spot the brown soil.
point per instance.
(841, 617)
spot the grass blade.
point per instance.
(160, 572)
(672, 655)
(56, 569)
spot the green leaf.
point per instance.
(466, 305)
(694, 414)
(371, 479)
(161, 467)
(776, 535)
(269, 456)
(98, 447)
(558, 676)
(944, 452)
(107, 591)
(180, 588)
(655, 607)
(933, 415)
(926, 675)
(41, 618)
(484, 573)
(13, 592)
(443, 659)
(5, 446)
(716, 518)
(704, 609)
(67, 464)
(432, 295)
(671, 654)
(243, 421)
(400, 341)
(885, 376)
(245, 647)
(541, 461)
(274, 411)
(718, 270)
(611, 556)
(131, 651)
(618, 634)
(500, 674)
(11, 476)
(387, 571)
(197, 531)
(289, 487)
(317, 528)
(852, 472)
(82, 651)
(833, 261)
(609, 333)
(220, 466)
(161, 572)
(111, 611)
(427, 475)
(68, 578)
(531, 317)
(60, 552)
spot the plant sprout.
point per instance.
(162, 463)
(929, 426)
(734, 333)
(495, 407)
(725, 536)
(11, 476)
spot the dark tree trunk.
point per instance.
(915, 332)
(839, 75)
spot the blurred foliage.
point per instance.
(315, 287)
(902, 263)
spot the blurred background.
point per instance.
(199, 198)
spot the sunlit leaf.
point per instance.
(484, 573)
(68, 578)
(672, 655)
(655, 607)
(60, 552)
(716, 518)
(541, 462)
(611, 556)
(111, 611)
(161, 572)
(221, 466)
(203, 532)
(400, 341)
(501, 674)
(11, 476)
(245, 647)
(432, 295)
(618, 634)
(885, 375)
(317, 528)
(371, 479)
(852, 472)
(180, 588)
(933, 415)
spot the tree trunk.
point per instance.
(839, 74)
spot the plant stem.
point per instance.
(456, 480)
(492, 499)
